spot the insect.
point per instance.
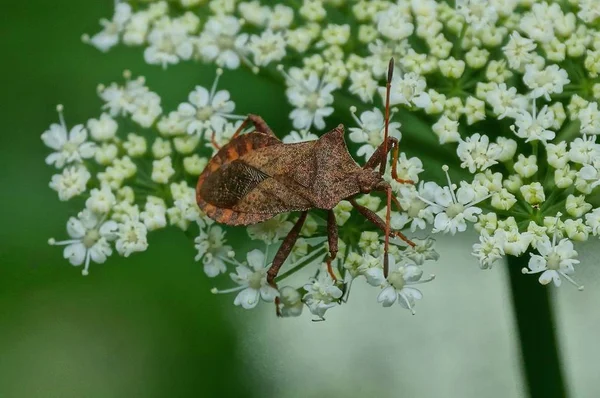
(255, 177)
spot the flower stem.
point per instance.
(540, 354)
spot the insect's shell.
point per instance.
(255, 176)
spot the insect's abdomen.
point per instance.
(216, 195)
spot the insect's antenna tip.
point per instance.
(390, 70)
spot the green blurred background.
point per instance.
(147, 326)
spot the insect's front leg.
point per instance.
(379, 158)
(332, 239)
(283, 253)
(379, 223)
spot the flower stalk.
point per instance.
(538, 343)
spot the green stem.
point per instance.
(540, 357)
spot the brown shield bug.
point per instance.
(255, 177)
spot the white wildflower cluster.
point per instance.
(137, 182)
(131, 183)
(503, 91)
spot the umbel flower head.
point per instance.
(503, 94)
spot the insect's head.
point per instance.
(369, 180)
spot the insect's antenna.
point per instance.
(387, 113)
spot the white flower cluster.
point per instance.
(131, 183)
(508, 88)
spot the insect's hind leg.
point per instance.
(283, 253)
(332, 239)
(259, 125)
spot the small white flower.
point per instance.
(252, 281)
(584, 149)
(281, 17)
(422, 251)
(170, 41)
(212, 250)
(543, 83)
(406, 169)
(161, 148)
(593, 221)
(554, 261)
(311, 97)
(479, 14)
(519, 51)
(363, 85)
(90, 237)
(103, 129)
(72, 182)
(533, 193)
(371, 131)
(489, 249)
(504, 100)
(291, 302)
(131, 237)
(395, 23)
(254, 12)
(526, 166)
(454, 209)
(576, 206)
(321, 294)
(408, 90)
(267, 48)
(590, 119)
(477, 153)
(398, 287)
(101, 200)
(154, 215)
(313, 10)
(162, 170)
(109, 36)
(271, 230)
(133, 99)
(415, 210)
(221, 42)
(591, 173)
(557, 154)
(534, 127)
(71, 147)
(516, 243)
(206, 111)
(446, 129)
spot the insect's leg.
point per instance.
(241, 128)
(214, 142)
(395, 166)
(332, 238)
(379, 223)
(260, 125)
(283, 253)
(379, 158)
